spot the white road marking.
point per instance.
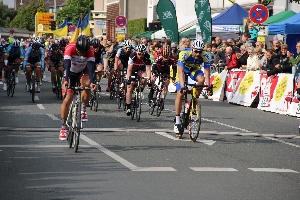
(281, 141)
(272, 170)
(234, 127)
(52, 116)
(208, 142)
(40, 106)
(213, 169)
(121, 160)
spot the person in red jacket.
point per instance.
(231, 60)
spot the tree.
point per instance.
(6, 15)
(41, 6)
(73, 9)
(25, 17)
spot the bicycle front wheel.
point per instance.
(77, 127)
(139, 107)
(194, 121)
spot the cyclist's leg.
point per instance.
(52, 71)
(151, 92)
(85, 96)
(17, 62)
(38, 75)
(99, 74)
(6, 72)
(178, 106)
(198, 76)
(28, 75)
(111, 73)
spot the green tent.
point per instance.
(191, 33)
(147, 34)
(279, 17)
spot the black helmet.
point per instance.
(63, 43)
(36, 46)
(95, 42)
(54, 47)
(82, 44)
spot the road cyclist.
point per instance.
(55, 62)
(189, 66)
(79, 65)
(13, 57)
(139, 63)
(34, 56)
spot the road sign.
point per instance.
(120, 30)
(121, 21)
(259, 13)
(101, 23)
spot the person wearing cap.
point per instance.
(175, 53)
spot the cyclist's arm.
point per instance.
(67, 67)
(117, 58)
(91, 66)
(129, 70)
(180, 67)
(206, 65)
(27, 56)
(42, 57)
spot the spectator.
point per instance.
(253, 33)
(261, 58)
(252, 60)
(276, 47)
(175, 51)
(273, 63)
(285, 65)
(231, 43)
(242, 57)
(218, 42)
(295, 61)
(138, 39)
(231, 61)
(246, 38)
(261, 45)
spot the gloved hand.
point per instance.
(149, 83)
(128, 82)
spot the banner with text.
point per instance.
(267, 88)
(218, 82)
(233, 81)
(248, 89)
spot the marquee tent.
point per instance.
(280, 17)
(288, 26)
(232, 16)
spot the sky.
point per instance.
(10, 3)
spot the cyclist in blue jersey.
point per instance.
(34, 55)
(14, 55)
(190, 63)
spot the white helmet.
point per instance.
(198, 44)
(127, 43)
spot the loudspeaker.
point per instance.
(154, 26)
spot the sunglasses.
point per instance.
(197, 51)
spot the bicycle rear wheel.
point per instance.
(112, 90)
(13, 85)
(133, 108)
(95, 103)
(194, 121)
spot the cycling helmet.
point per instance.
(166, 51)
(63, 43)
(198, 44)
(95, 42)
(82, 44)
(54, 47)
(127, 43)
(141, 48)
(16, 43)
(36, 46)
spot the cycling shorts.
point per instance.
(192, 75)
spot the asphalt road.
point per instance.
(242, 153)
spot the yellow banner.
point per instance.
(44, 20)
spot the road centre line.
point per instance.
(121, 160)
(41, 106)
(272, 170)
(52, 117)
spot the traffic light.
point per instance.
(53, 25)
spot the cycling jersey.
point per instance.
(99, 54)
(55, 57)
(189, 63)
(123, 56)
(34, 57)
(162, 66)
(137, 63)
(75, 63)
(15, 52)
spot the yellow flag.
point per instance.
(61, 32)
(76, 32)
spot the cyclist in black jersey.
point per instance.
(99, 52)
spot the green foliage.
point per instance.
(73, 9)
(25, 17)
(6, 15)
(137, 26)
(41, 6)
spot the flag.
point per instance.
(167, 16)
(77, 31)
(203, 13)
(62, 29)
(232, 1)
(85, 25)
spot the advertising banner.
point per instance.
(233, 81)
(218, 82)
(267, 88)
(248, 89)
